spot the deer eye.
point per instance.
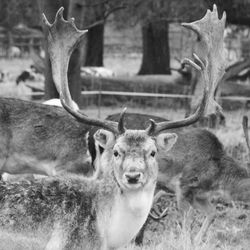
(153, 153)
(116, 153)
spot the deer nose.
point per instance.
(134, 177)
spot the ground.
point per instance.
(230, 231)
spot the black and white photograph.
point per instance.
(124, 125)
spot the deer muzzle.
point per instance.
(133, 179)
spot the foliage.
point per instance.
(13, 12)
(156, 10)
(237, 10)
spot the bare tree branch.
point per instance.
(105, 16)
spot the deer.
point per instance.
(93, 213)
(194, 146)
(32, 136)
(222, 177)
(29, 176)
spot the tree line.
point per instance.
(154, 17)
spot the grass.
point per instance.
(228, 232)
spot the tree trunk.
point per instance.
(50, 8)
(95, 36)
(156, 54)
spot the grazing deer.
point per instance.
(218, 176)
(89, 213)
(201, 181)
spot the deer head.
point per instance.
(210, 49)
(131, 153)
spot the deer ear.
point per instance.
(165, 141)
(104, 138)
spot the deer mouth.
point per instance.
(133, 180)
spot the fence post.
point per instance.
(99, 98)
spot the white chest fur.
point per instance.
(128, 215)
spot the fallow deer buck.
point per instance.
(92, 213)
(196, 145)
(192, 144)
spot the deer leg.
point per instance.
(204, 205)
(57, 239)
(204, 228)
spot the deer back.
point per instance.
(42, 133)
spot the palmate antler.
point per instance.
(210, 49)
(63, 37)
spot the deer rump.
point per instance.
(37, 138)
(193, 145)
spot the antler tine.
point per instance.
(63, 37)
(245, 129)
(121, 127)
(151, 128)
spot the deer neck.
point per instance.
(127, 215)
(122, 212)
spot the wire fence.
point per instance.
(100, 95)
(145, 94)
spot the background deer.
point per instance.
(97, 214)
(80, 170)
(41, 139)
(221, 177)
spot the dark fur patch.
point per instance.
(134, 139)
